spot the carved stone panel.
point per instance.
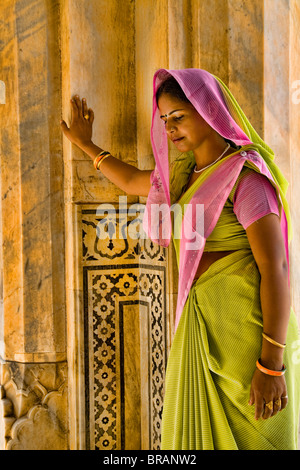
(33, 406)
(124, 285)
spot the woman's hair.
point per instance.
(171, 87)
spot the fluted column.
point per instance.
(32, 229)
(294, 149)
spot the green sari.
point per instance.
(214, 352)
(218, 318)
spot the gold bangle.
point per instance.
(103, 158)
(96, 160)
(99, 157)
(273, 341)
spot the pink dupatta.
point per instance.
(204, 92)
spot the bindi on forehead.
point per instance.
(167, 115)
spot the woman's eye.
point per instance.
(176, 118)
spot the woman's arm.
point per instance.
(125, 176)
(267, 244)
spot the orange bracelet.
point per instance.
(273, 373)
(102, 158)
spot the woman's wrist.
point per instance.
(271, 358)
(90, 149)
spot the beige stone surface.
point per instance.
(31, 183)
(151, 53)
(2, 92)
(294, 147)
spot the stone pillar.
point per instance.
(282, 110)
(116, 286)
(294, 147)
(32, 344)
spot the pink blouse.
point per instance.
(254, 198)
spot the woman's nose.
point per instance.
(169, 127)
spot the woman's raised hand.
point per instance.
(81, 127)
(126, 177)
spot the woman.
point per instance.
(231, 380)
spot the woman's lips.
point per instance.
(177, 140)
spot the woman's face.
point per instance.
(184, 125)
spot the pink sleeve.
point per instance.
(254, 198)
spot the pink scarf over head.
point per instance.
(203, 91)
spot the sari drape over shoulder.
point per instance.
(218, 317)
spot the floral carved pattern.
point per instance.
(125, 307)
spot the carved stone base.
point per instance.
(33, 406)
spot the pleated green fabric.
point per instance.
(212, 361)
